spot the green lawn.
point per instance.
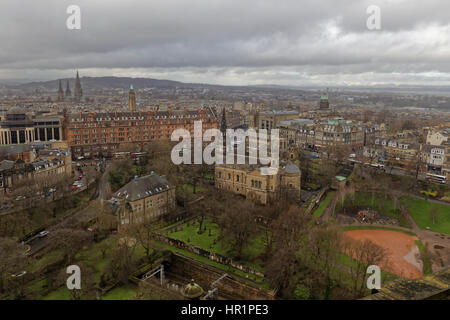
(420, 212)
(60, 294)
(323, 205)
(426, 264)
(375, 201)
(189, 234)
(351, 262)
(48, 259)
(127, 292)
(198, 189)
(92, 257)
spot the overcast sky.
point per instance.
(286, 42)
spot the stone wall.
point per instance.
(231, 287)
(207, 254)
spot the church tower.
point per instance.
(78, 93)
(68, 92)
(132, 99)
(60, 92)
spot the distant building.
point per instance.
(132, 99)
(248, 181)
(68, 92)
(78, 92)
(93, 134)
(19, 128)
(147, 197)
(269, 119)
(433, 156)
(324, 104)
(438, 137)
(60, 92)
(319, 135)
(46, 165)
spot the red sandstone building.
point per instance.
(92, 134)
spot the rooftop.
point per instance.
(142, 187)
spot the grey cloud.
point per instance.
(260, 41)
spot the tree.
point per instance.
(238, 225)
(88, 289)
(364, 254)
(12, 261)
(123, 262)
(326, 244)
(290, 231)
(144, 232)
(434, 214)
(70, 241)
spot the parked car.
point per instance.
(43, 233)
(20, 198)
(19, 274)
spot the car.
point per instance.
(20, 198)
(43, 233)
(19, 274)
(52, 190)
(4, 207)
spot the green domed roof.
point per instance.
(192, 290)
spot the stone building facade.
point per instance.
(248, 181)
(147, 197)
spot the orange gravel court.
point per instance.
(403, 253)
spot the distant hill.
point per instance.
(96, 83)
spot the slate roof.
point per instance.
(291, 168)
(6, 165)
(14, 149)
(142, 187)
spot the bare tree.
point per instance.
(12, 261)
(88, 286)
(70, 241)
(434, 214)
(363, 254)
(237, 225)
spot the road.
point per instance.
(76, 217)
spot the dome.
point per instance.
(292, 168)
(192, 290)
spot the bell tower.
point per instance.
(132, 99)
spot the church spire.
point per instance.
(60, 92)
(68, 92)
(78, 92)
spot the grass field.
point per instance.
(127, 292)
(426, 263)
(323, 205)
(198, 189)
(189, 234)
(420, 212)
